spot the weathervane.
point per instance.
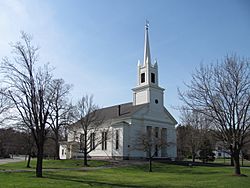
(147, 24)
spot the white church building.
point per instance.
(125, 122)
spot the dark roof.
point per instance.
(112, 112)
(126, 110)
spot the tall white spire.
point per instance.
(147, 57)
(147, 89)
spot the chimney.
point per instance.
(119, 110)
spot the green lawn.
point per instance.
(223, 161)
(53, 164)
(228, 162)
(164, 175)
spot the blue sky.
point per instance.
(95, 44)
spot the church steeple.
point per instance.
(147, 57)
(147, 89)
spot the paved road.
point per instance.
(15, 159)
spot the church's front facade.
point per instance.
(126, 123)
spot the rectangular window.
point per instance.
(148, 141)
(116, 139)
(142, 77)
(104, 140)
(164, 142)
(149, 131)
(156, 151)
(62, 151)
(156, 132)
(74, 136)
(152, 77)
(92, 141)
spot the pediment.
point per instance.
(159, 115)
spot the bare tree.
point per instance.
(150, 142)
(28, 140)
(61, 114)
(90, 121)
(29, 88)
(191, 141)
(206, 149)
(183, 149)
(196, 130)
(29, 146)
(222, 92)
(5, 106)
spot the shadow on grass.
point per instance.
(106, 183)
(89, 182)
(175, 169)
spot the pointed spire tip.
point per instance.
(147, 57)
(147, 24)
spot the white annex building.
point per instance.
(125, 122)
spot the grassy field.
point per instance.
(223, 161)
(228, 162)
(52, 164)
(164, 175)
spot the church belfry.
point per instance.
(147, 89)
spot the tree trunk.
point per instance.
(236, 163)
(28, 162)
(85, 157)
(232, 160)
(231, 154)
(193, 157)
(85, 147)
(39, 164)
(150, 164)
(242, 160)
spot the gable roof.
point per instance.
(126, 110)
(112, 112)
(170, 116)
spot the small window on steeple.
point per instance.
(142, 77)
(152, 77)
